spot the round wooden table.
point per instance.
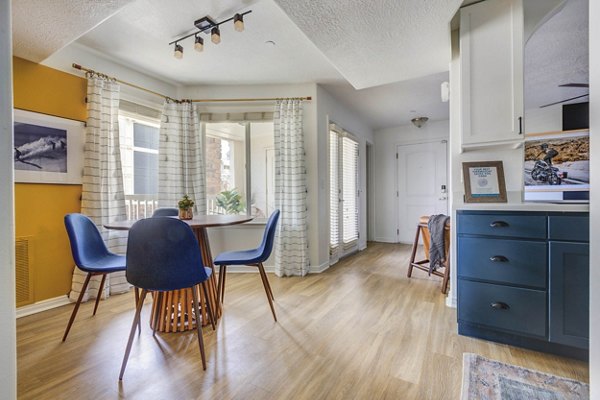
(175, 313)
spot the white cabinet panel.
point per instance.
(491, 55)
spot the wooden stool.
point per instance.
(424, 264)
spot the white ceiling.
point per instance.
(557, 53)
(373, 43)
(396, 103)
(399, 49)
(42, 28)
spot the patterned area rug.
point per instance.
(485, 379)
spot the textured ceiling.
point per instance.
(373, 43)
(139, 34)
(41, 28)
(396, 103)
(557, 53)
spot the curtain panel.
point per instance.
(102, 198)
(181, 167)
(291, 244)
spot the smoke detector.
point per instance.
(419, 121)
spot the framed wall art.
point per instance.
(47, 149)
(484, 182)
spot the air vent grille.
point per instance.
(24, 279)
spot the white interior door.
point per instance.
(422, 186)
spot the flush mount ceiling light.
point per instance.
(209, 26)
(419, 121)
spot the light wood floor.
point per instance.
(361, 330)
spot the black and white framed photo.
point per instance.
(484, 182)
(47, 149)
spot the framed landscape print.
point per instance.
(47, 149)
(484, 182)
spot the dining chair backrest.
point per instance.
(86, 241)
(266, 247)
(165, 212)
(163, 254)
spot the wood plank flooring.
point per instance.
(361, 330)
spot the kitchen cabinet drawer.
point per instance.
(503, 307)
(569, 228)
(525, 226)
(506, 261)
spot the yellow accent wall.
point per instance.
(40, 208)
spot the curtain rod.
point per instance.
(79, 67)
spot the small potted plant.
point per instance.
(186, 207)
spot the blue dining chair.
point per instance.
(163, 255)
(253, 258)
(165, 212)
(91, 256)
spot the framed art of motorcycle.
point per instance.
(557, 166)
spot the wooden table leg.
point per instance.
(174, 311)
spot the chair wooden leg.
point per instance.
(209, 306)
(99, 293)
(157, 302)
(199, 328)
(446, 277)
(265, 280)
(136, 321)
(221, 288)
(414, 252)
(137, 301)
(74, 313)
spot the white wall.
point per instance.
(385, 171)
(330, 110)
(595, 199)
(8, 341)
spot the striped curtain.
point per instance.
(291, 245)
(181, 158)
(102, 198)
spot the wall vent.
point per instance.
(23, 272)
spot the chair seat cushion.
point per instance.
(106, 264)
(242, 257)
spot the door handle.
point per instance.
(498, 305)
(498, 259)
(498, 224)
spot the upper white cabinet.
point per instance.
(491, 62)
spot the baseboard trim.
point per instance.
(317, 269)
(386, 240)
(451, 301)
(43, 305)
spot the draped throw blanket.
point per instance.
(291, 244)
(102, 198)
(181, 167)
(437, 247)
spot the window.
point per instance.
(139, 157)
(240, 168)
(343, 192)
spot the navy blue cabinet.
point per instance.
(523, 279)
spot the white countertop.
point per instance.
(516, 204)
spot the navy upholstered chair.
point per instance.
(253, 257)
(165, 212)
(163, 255)
(90, 255)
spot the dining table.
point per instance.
(175, 313)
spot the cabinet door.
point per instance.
(569, 293)
(491, 59)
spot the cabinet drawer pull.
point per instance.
(499, 224)
(498, 259)
(499, 306)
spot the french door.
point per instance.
(343, 193)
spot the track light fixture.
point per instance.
(208, 25)
(178, 51)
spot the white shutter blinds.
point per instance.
(349, 173)
(334, 191)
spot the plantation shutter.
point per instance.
(349, 172)
(334, 192)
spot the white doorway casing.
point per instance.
(422, 184)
